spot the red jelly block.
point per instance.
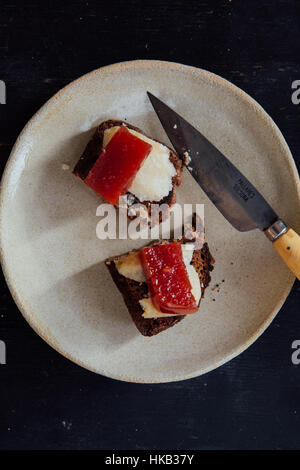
(114, 170)
(167, 279)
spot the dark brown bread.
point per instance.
(133, 291)
(94, 149)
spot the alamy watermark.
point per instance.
(296, 94)
(2, 92)
(296, 354)
(2, 352)
(152, 221)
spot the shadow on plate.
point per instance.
(93, 310)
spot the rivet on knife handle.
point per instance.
(287, 244)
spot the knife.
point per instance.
(230, 191)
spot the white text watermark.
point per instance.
(296, 354)
(2, 92)
(151, 221)
(296, 94)
(2, 352)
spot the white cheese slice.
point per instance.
(131, 267)
(187, 254)
(153, 181)
(151, 312)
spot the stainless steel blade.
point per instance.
(231, 192)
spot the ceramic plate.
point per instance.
(53, 261)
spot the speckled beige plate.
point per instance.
(53, 261)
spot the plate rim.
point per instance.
(13, 158)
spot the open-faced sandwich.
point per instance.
(163, 282)
(121, 160)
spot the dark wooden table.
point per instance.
(46, 401)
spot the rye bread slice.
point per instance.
(94, 149)
(133, 291)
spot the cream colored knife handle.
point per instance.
(287, 243)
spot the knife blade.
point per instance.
(230, 191)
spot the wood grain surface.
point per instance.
(47, 402)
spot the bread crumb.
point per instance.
(66, 425)
(187, 158)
